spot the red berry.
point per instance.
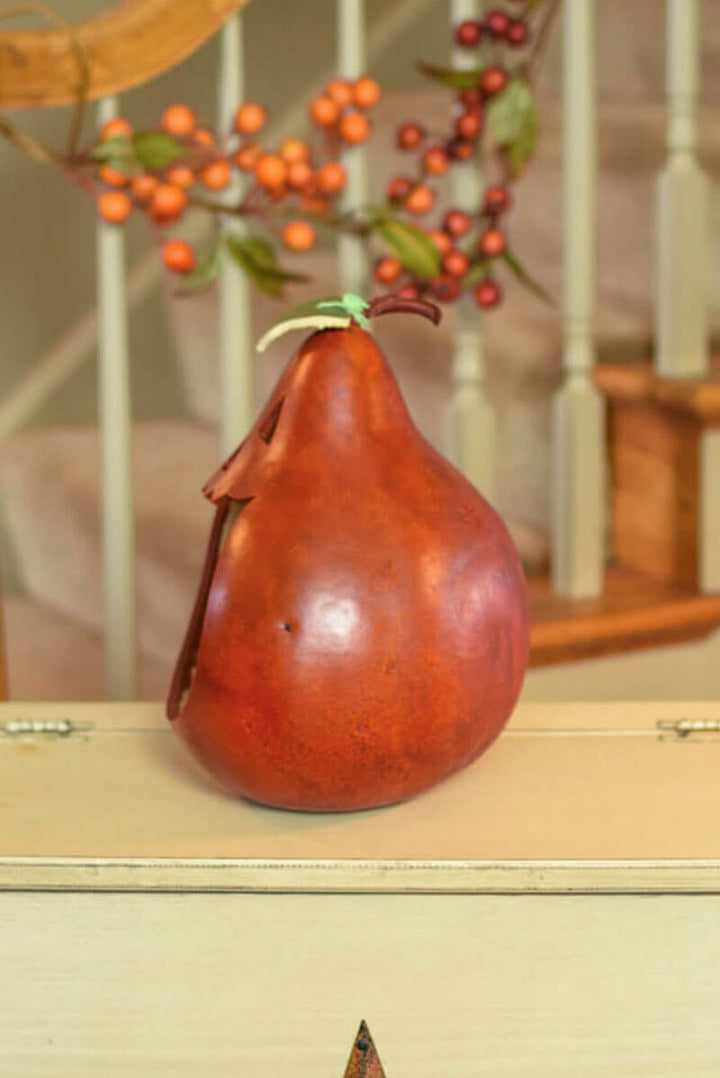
(497, 22)
(435, 160)
(408, 291)
(441, 240)
(455, 264)
(517, 33)
(387, 270)
(410, 136)
(399, 188)
(469, 98)
(492, 242)
(468, 34)
(494, 80)
(446, 289)
(469, 125)
(178, 256)
(497, 199)
(457, 223)
(459, 149)
(487, 293)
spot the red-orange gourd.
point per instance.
(361, 629)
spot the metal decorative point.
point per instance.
(364, 1061)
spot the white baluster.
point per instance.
(682, 209)
(710, 510)
(116, 438)
(352, 62)
(579, 414)
(237, 403)
(470, 421)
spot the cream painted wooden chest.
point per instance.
(553, 910)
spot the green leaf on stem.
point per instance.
(524, 277)
(477, 272)
(413, 247)
(156, 149)
(449, 76)
(334, 312)
(514, 124)
(256, 256)
(115, 153)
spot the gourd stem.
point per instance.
(393, 304)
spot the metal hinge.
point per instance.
(64, 728)
(682, 729)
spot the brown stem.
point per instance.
(541, 39)
(393, 304)
(44, 11)
(29, 145)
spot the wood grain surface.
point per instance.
(126, 45)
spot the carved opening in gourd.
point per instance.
(226, 515)
(267, 428)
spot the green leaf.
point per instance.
(257, 258)
(114, 149)
(514, 123)
(475, 274)
(522, 275)
(206, 271)
(156, 149)
(449, 76)
(414, 248)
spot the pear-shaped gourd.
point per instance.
(361, 628)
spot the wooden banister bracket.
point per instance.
(129, 44)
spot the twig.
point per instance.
(541, 39)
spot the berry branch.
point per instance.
(291, 191)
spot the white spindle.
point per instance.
(682, 208)
(470, 419)
(578, 429)
(236, 345)
(116, 437)
(352, 62)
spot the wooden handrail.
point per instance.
(131, 43)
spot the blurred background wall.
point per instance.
(47, 284)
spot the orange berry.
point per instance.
(247, 157)
(441, 240)
(331, 178)
(250, 118)
(341, 91)
(203, 137)
(324, 111)
(178, 256)
(216, 175)
(300, 175)
(387, 270)
(182, 175)
(354, 127)
(114, 207)
(143, 187)
(117, 128)
(294, 149)
(298, 236)
(168, 202)
(366, 92)
(435, 160)
(178, 120)
(113, 178)
(271, 171)
(420, 200)
(409, 136)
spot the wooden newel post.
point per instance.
(116, 437)
(351, 63)
(579, 412)
(470, 434)
(682, 209)
(237, 404)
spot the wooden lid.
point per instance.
(573, 797)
